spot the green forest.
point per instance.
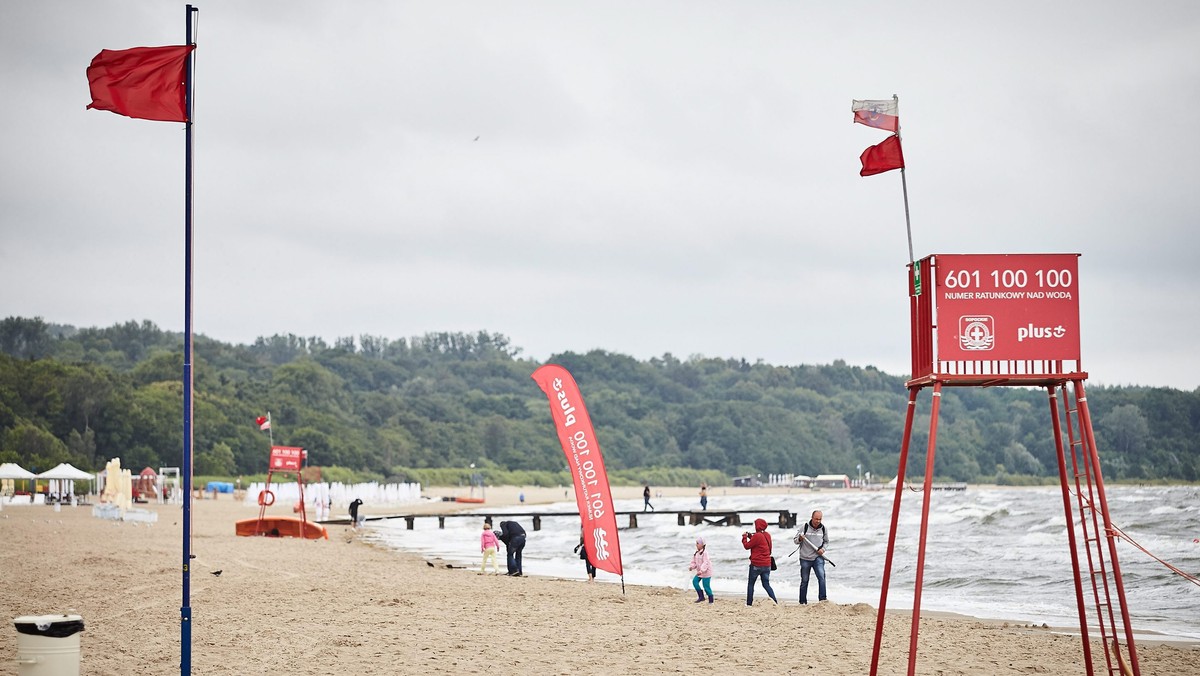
(427, 408)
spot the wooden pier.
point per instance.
(783, 518)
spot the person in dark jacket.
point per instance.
(759, 545)
(354, 512)
(581, 549)
(513, 537)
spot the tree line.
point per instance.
(397, 409)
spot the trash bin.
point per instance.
(48, 645)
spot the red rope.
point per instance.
(1186, 576)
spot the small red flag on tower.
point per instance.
(264, 423)
(882, 157)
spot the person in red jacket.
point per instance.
(759, 545)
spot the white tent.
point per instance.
(11, 470)
(60, 475)
(66, 471)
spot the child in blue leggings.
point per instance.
(703, 568)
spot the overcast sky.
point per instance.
(639, 177)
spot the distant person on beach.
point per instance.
(581, 549)
(759, 545)
(703, 568)
(513, 537)
(646, 498)
(489, 544)
(812, 539)
(704, 497)
(354, 512)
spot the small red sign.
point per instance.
(1007, 307)
(286, 458)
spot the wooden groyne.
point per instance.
(782, 517)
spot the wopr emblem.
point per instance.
(975, 332)
(600, 541)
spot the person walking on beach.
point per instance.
(513, 537)
(489, 545)
(812, 540)
(759, 545)
(703, 568)
(354, 512)
(581, 549)
(646, 498)
(704, 497)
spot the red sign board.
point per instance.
(1007, 306)
(286, 458)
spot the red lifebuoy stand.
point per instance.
(993, 320)
(283, 460)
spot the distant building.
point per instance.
(831, 481)
(750, 481)
(802, 481)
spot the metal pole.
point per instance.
(925, 500)
(1085, 426)
(904, 183)
(891, 547)
(1070, 514)
(185, 610)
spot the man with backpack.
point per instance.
(812, 539)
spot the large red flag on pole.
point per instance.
(148, 83)
(155, 83)
(586, 463)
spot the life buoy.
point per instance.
(266, 498)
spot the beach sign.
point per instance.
(586, 463)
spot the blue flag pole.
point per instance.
(185, 610)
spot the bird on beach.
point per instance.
(217, 573)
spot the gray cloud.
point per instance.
(648, 177)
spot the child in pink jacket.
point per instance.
(703, 568)
(488, 544)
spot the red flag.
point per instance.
(579, 444)
(144, 82)
(263, 422)
(881, 114)
(885, 156)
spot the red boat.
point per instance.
(282, 527)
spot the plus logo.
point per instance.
(975, 332)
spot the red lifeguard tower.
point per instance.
(286, 460)
(992, 320)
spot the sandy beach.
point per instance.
(345, 606)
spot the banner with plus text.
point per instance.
(586, 464)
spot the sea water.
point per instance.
(997, 553)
